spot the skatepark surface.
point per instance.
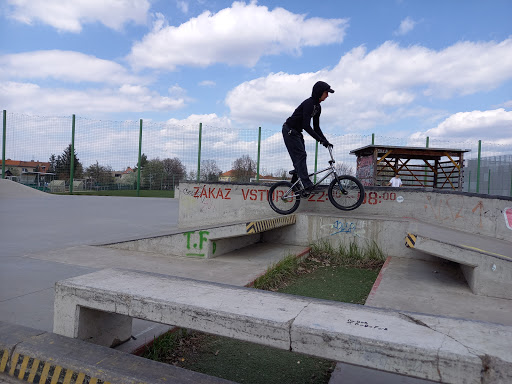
(46, 238)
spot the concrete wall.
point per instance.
(218, 203)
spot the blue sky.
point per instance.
(400, 68)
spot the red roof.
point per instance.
(45, 166)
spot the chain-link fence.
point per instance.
(38, 151)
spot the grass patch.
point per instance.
(124, 192)
(344, 273)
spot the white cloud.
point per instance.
(239, 35)
(32, 98)
(492, 125)
(380, 86)
(406, 26)
(70, 15)
(182, 6)
(66, 66)
(207, 83)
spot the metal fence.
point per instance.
(108, 154)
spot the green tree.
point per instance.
(143, 161)
(153, 174)
(63, 165)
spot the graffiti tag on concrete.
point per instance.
(507, 212)
(451, 208)
(197, 245)
(365, 324)
(341, 227)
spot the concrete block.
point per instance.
(219, 203)
(209, 307)
(411, 344)
(428, 347)
(74, 318)
(486, 274)
(47, 357)
(207, 242)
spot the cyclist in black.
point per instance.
(301, 120)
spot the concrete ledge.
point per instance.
(486, 274)
(207, 242)
(428, 347)
(40, 357)
(216, 203)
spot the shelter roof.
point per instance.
(408, 152)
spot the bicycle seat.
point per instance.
(293, 172)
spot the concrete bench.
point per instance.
(98, 307)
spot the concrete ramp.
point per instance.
(486, 274)
(208, 242)
(12, 189)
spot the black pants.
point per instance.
(294, 142)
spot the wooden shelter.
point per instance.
(417, 167)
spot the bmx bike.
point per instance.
(345, 192)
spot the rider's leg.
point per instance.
(294, 142)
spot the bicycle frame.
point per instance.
(329, 168)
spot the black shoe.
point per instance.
(308, 191)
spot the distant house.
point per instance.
(19, 167)
(30, 172)
(124, 177)
(228, 176)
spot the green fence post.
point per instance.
(478, 166)
(373, 138)
(316, 160)
(3, 144)
(259, 149)
(72, 170)
(427, 142)
(140, 158)
(198, 177)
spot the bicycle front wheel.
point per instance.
(281, 198)
(346, 192)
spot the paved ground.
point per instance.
(48, 238)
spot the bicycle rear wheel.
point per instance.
(346, 192)
(281, 198)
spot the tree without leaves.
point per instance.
(344, 169)
(210, 171)
(174, 168)
(100, 174)
(244, 168)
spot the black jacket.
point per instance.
(310, 108)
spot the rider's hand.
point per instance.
(326, 144)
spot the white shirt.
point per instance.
(396, 182)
